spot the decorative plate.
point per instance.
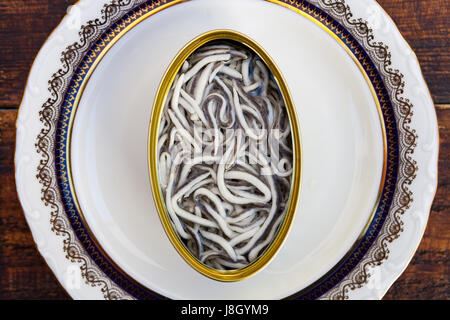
(369, 145)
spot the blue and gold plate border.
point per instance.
(74, 90)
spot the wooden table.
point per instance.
(24, 26)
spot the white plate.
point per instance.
(354, 154)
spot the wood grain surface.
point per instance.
(25, 25)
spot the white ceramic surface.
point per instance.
(342, 147)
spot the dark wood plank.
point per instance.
(24, 26)
(24, 275)
(23, 272)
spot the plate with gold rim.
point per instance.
(363, 113)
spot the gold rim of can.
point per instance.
(158, 107)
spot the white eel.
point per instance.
(225, 159)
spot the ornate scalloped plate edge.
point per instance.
(395, 81)
(403, 198)
(339, 11)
